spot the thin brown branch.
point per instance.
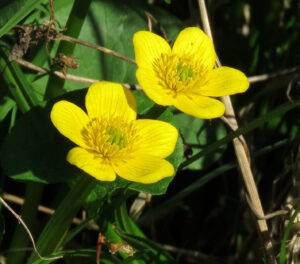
(267, 216)
(52, 16)
(272, 75)
(241, 151)
(20, 220)
(67, 76)
(151, 18)
(192, 253)
(46, 210)
(59, 74)
(93, 46)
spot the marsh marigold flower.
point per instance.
(111, 141)
(184, 75)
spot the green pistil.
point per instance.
(115, 137)
(184, 72)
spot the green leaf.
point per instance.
(13, 11)
(144, 104)
(124, 222)
(197, 134)
(35, 151)
(56, 228)
(110, 24)
(6, 105)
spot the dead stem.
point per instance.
(267, 76)
(267, 216)
(93, 46)
(20, 220)
(67, 76)
(59, 74)
(242, 157)
(151, 18)
(46, 210)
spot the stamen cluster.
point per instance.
(107, 138)
(176, 74)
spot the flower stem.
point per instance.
(241, 151)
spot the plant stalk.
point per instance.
(241, 152)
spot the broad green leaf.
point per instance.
(197, 134)
(144, 104)
(110, 24)
(34, 151)
(6, 105)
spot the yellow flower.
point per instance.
(111, 141)
(183, 76)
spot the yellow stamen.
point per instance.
(177, 74)
(108, 138)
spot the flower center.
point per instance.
(177, 74)
(184, 72)
(116, 137)
(108, 138)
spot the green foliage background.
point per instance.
(200, 209)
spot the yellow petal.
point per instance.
(148, 47)
(143, 168)
(110, 99)
(223, 81)
(152, 88)
(92, 164)
(200, 106)
(156, 138)
(69, 120)
(193, 43)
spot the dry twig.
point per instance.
(267, 76)
(70, 77)
(46, 210)
(151, 18)
(20, 220)
(267, 216)
(93, 46)
(242, 157)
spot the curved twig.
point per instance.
(20, 220)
